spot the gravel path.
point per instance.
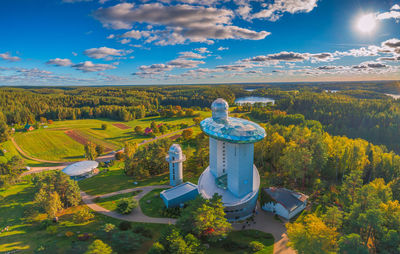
(137, 215)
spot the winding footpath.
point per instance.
(137, 215)
(264, 221)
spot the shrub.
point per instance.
(109, 227)
(256, 246)
(126, 205)
(83, 215)
(143, 231)
(69, 234)
(98, 247)
(157, 248)
(119, 156)
(125, 225)
(104, 126)
(52, 230)
(84, 237)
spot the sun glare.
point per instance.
(366, 23)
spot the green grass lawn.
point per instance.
(110, 203)
(156, 205)
(242, 239)
(29, 236)
(115, 180)
(52, 143)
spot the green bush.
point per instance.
(52, 230)
(256, 246)
(126, 205)
(104, 126)
(125, 225)
(143, 231)
(83, 215)
(157, 248)
(98, 247)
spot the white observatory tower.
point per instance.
(175, 159)
(231, 172)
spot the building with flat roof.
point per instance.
(286, 203)
(180, 194)
(81, 170)
(231, 172)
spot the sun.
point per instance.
(366, 23)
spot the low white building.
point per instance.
(81, 170)
(286, 203)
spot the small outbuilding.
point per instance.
(179, 194)
(81, 170)
(28, 127)
(286, 203)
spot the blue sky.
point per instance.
(112, 42)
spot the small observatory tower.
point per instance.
(175, 158)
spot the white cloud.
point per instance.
(395, 7)
(105, 53)
(190, 54)
(89, 66)
(180, 23)
(60, 62)
(7, 56)
(275, 10)
(203, 50)
(222, 48)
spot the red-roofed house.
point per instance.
(148, 130)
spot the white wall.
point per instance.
(240, 168)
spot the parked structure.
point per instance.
(231, 172)
(81, 170)
(286, 203)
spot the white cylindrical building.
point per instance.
(231, 172)
(175, 158)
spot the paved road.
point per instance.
(266, 222)
(137, 215)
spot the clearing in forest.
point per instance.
(83, 138)
(121, 126)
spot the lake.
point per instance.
(253, 99)
(394, 96)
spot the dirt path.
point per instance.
(137, 215)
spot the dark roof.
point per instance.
(289, 199)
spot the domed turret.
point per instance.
(220, 110)
(175, 158)
(175, 151)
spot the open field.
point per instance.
(64, 140)
(115, 180)
(121, 126)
